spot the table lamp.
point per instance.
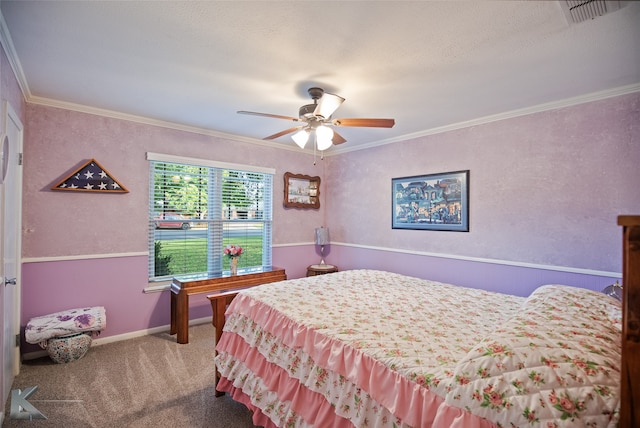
(322, 239)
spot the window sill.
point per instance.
(155, 287)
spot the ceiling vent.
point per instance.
(583, 10)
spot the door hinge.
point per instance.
(19, 158)
(18, 340)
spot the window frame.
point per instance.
(216, 222)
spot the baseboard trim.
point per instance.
(119, 337)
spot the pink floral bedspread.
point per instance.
(369, 348)
(556, 363)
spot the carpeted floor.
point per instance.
(144, 382)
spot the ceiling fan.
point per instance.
(316, 120)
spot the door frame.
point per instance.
(9, 114)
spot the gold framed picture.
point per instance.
(301, 191)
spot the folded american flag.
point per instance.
(91, 177)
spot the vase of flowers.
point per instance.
(233, 252)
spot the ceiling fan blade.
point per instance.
(327, 104)
(337, 138)
(370, 123)
(276, 116)
(285, 132)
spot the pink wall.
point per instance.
(509, 279)
(114, 283)
(67, 224)
(544, 188)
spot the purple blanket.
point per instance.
(64, 323)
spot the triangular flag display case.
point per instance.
(91, 177)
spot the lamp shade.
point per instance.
(327, 104)
(301, 137)
(324, 136)
(322, 236)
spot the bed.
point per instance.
(367, 348)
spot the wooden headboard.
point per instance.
(630, 376)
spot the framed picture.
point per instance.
(431, 202)
(301, 191)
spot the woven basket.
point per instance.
(65, 349)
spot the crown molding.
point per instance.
(568, 102)
(12, 56)
(7, 43)
(48, 102)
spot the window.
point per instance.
(197, 207)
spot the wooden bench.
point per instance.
(182, 288)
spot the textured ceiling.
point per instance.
(427, 64)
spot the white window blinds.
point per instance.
(197, 208)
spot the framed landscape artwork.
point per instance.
(431, 202)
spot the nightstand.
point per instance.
(314, 270)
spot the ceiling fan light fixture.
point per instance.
(314, 118)
(324, 137)
(327, 105)
(301, 137)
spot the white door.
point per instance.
(10, 227)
